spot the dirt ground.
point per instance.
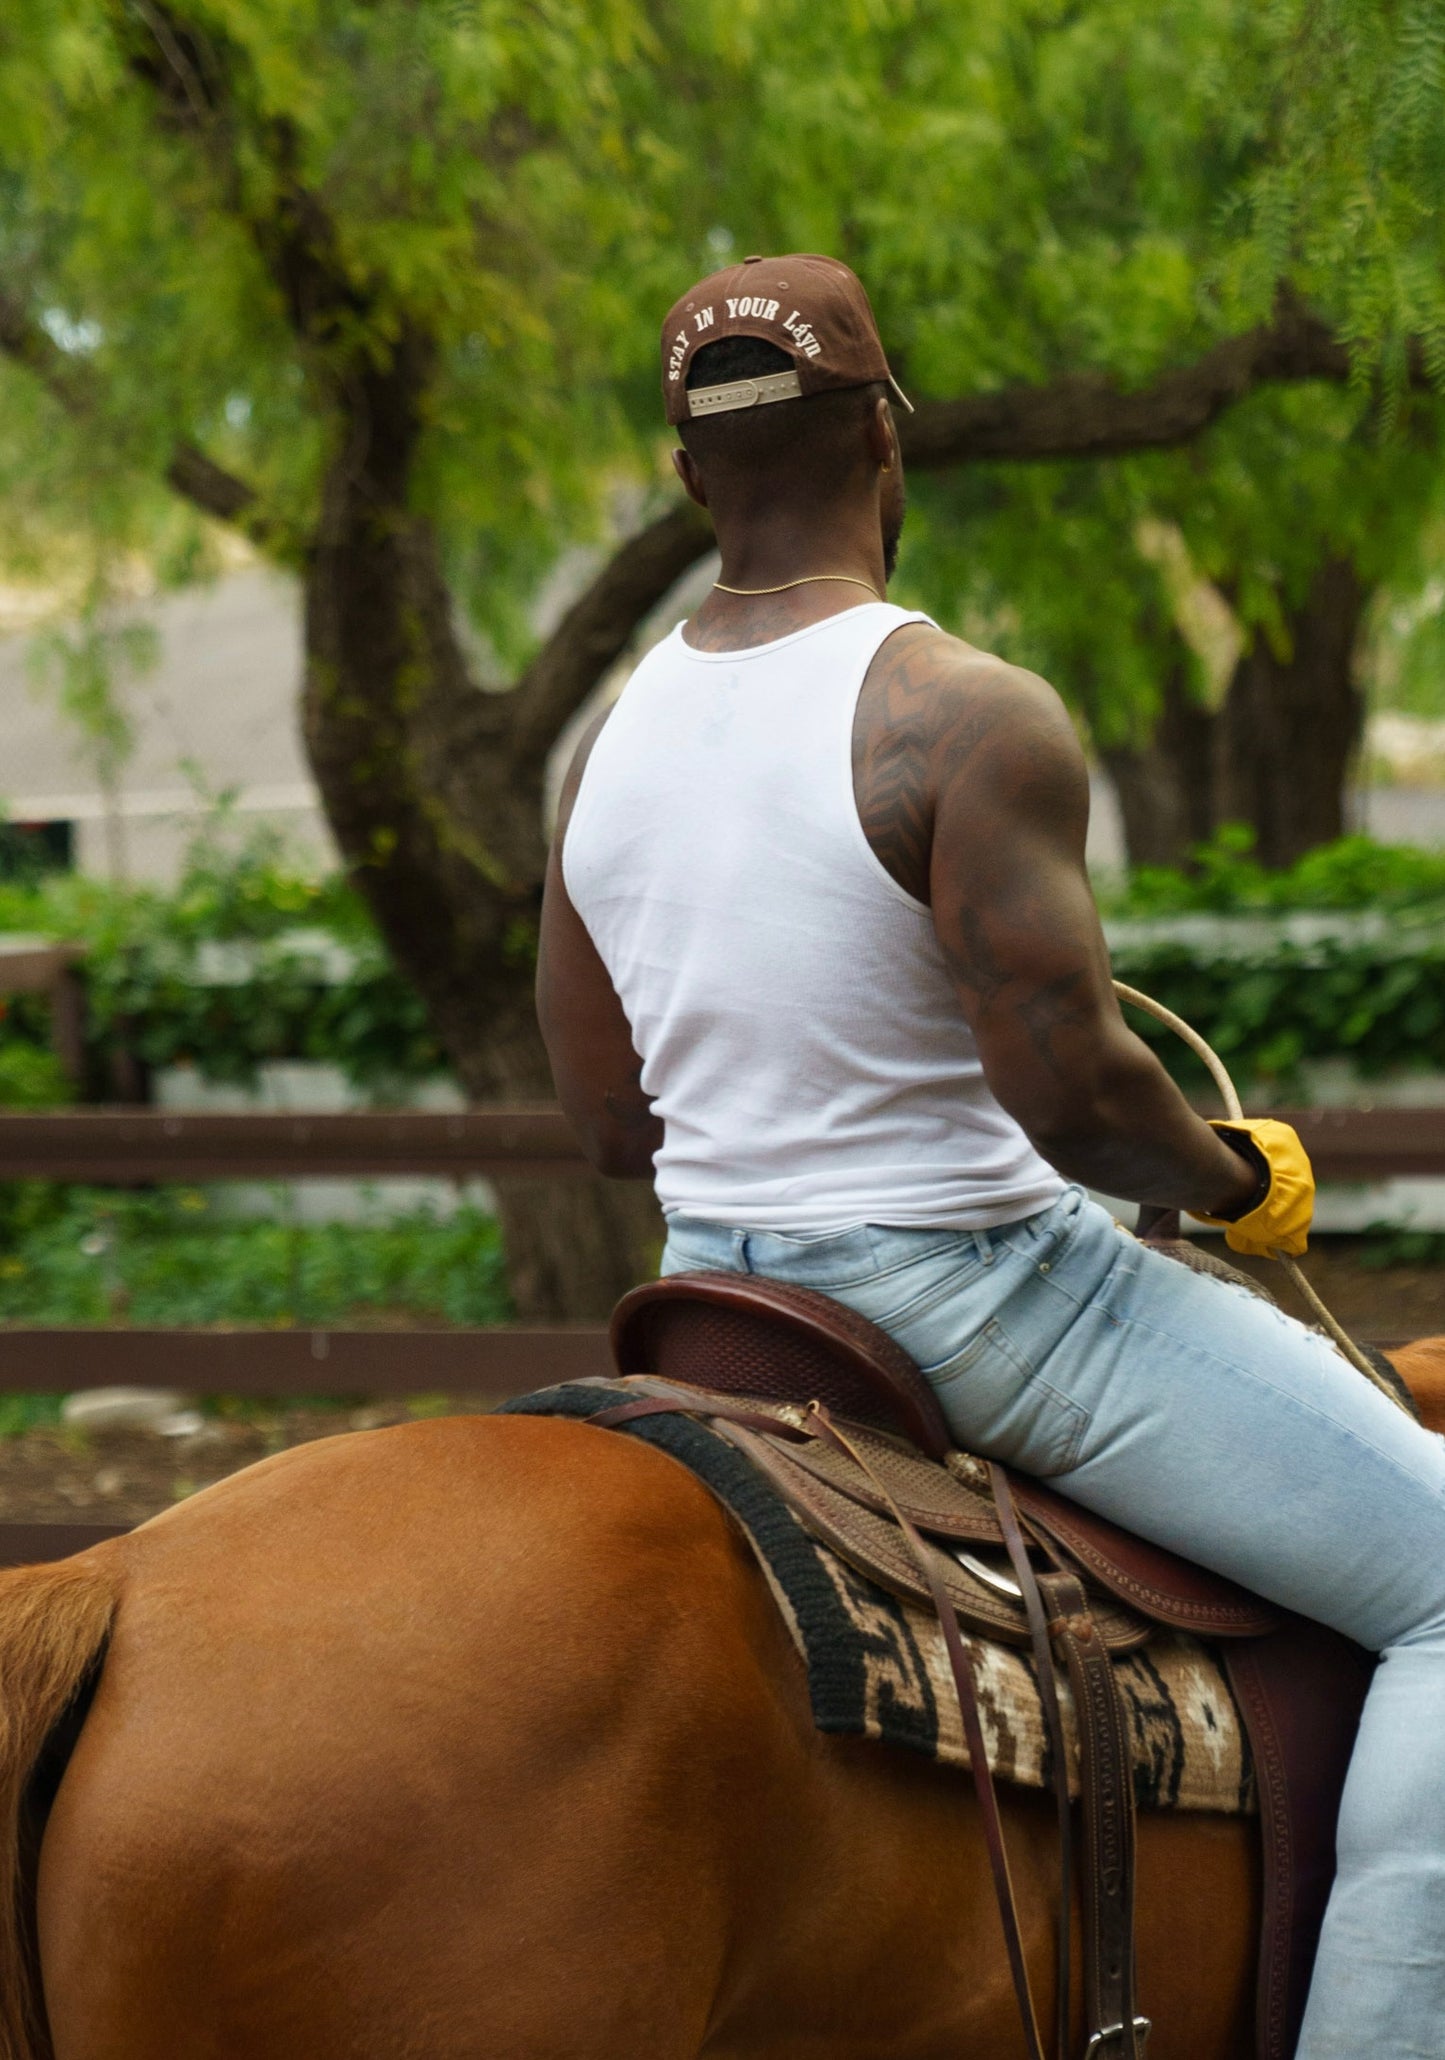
(67, 1475)
(55, 1475)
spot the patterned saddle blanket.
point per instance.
(877, 1667)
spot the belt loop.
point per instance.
(744, 1255)
(983, 1245)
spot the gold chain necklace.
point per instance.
(808, 579)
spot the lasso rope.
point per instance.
(1235, 1109)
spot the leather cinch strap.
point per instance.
(1106, 1789)
(1114, 2031)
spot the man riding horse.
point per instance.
(819, 953)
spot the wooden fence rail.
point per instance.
(132, 1146)
(484, 1365)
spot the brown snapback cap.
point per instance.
(812, 307)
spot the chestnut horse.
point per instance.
(483, 1737)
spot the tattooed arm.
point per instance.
(589, 1041)
(973, 792)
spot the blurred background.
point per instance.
(335, 495)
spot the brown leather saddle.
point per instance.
(844, 1424)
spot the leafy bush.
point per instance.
(312, 978)
(1224, 877)
(31, 1077)
(1386, 1244)
(1266, 1015)
(1268, 1001)
(93, 1256)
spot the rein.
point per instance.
(1234, 1108)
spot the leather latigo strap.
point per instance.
(962, 1668)
(1115, 2031)
(677, 1405)
(1060, 1620)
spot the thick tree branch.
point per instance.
(189, 73)
(597, 629)
(1089, 415)
(208, 485)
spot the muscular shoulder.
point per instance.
(943, 726)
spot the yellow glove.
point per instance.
(1280, 1223)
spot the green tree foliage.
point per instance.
(1031, 190)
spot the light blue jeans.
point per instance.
(1204, 1418)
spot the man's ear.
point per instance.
(686, 470)
(882, 436)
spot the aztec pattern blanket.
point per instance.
(877, 1667)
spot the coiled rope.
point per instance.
(1235, 1109)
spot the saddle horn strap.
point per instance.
(963, 1682)
(1044, 1667)
(1107, 1791)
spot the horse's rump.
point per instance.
(428, 1699)
(486, 1735)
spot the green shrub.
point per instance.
(1266, 1016)
(1277, 993)
(1224, 877)
(31, 1077)
(97, 1256)
(146, 983)
(1267, 1006)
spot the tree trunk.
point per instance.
(1166, 787)
(1278, 755)
(1290, 727)
(441, 825)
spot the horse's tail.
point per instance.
(54, 1623)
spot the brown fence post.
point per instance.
(67, 1022)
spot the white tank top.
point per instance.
(798, 1030)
